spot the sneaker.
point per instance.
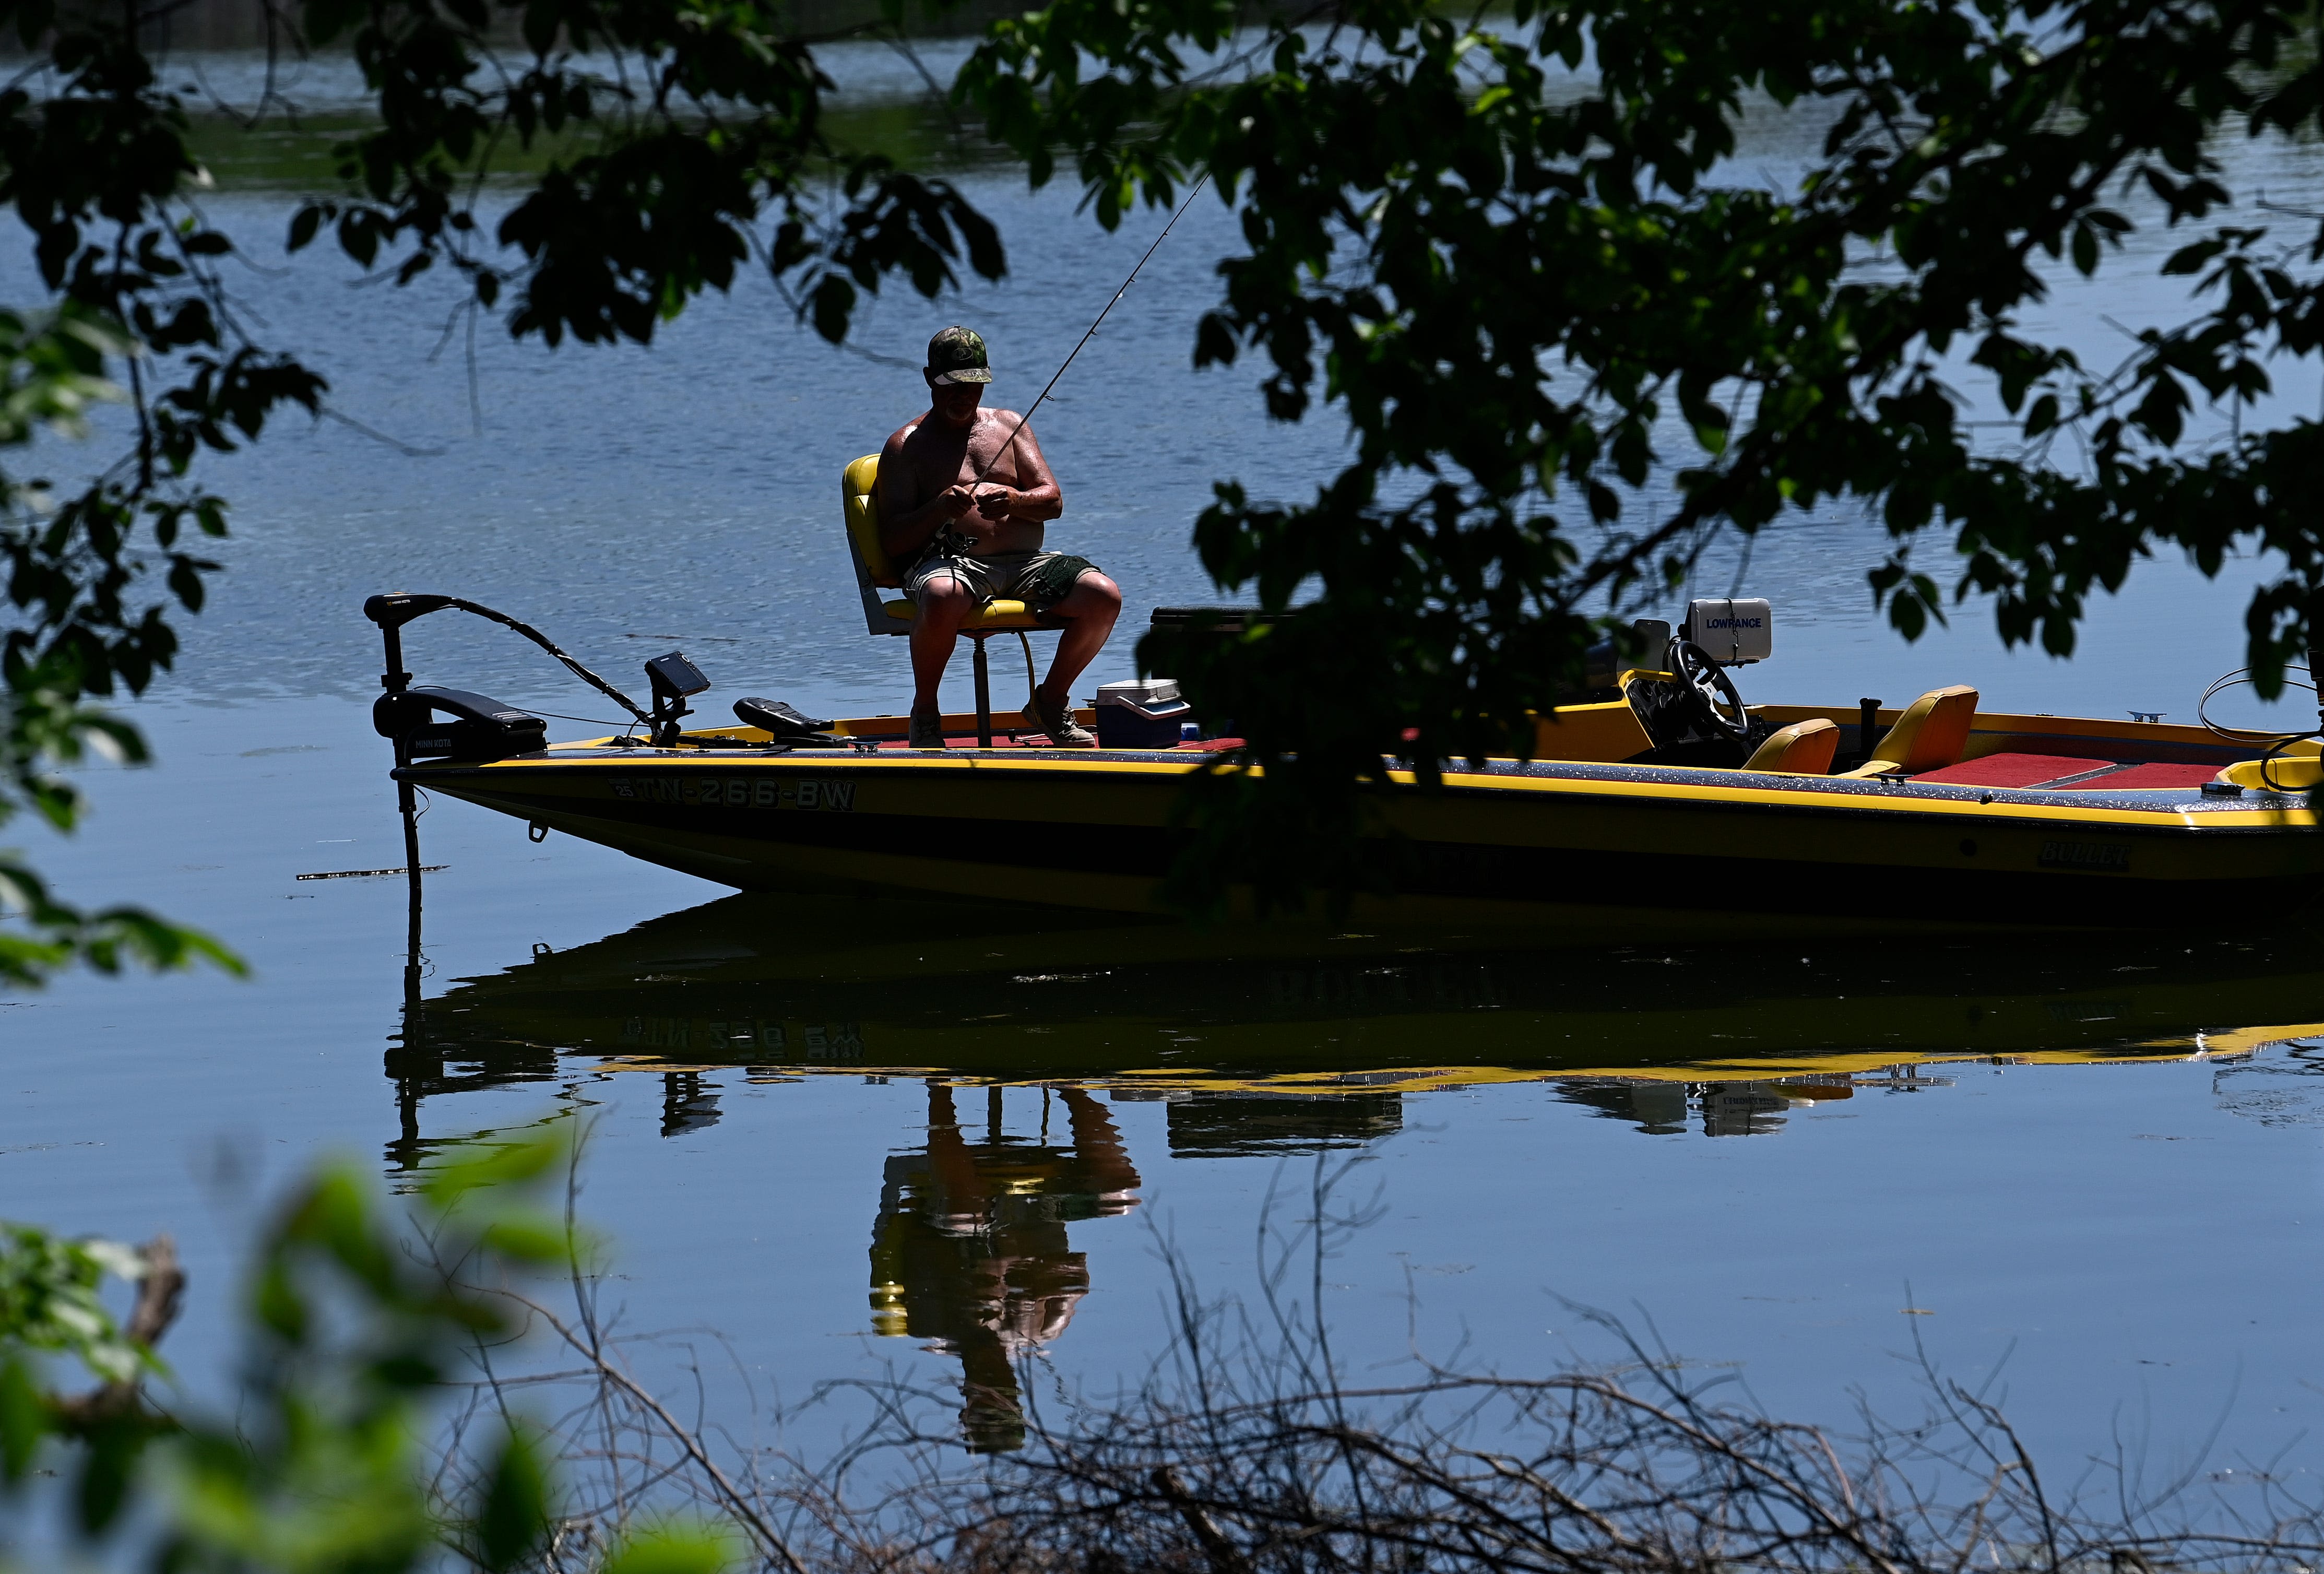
(926, 730)
(1058, 722)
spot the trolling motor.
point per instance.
(479, 728)
(430, 722)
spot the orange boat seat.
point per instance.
(1929, 734)
(1803, 749)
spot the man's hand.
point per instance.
(995, 501)
(955, 501)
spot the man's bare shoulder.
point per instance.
(997, 417)
(902, 435)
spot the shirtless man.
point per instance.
(969, 542)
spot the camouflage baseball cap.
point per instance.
(957, 355)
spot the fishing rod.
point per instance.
(1024, 419)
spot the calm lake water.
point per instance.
(2086, 1171)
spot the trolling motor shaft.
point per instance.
(391, 613)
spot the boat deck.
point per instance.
(2069, 773)
(2079, 784)
(2036, 772)
(1038, 740)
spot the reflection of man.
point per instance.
(970, 1250)
(963, 493)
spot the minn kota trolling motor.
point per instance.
(475, 727)
(425, 721)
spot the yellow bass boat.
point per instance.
(1934, 814)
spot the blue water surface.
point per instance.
(2125, 1250)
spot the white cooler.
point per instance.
(1144, 712)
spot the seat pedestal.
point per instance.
(983, 695)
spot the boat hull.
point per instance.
(1545, 845)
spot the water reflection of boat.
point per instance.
(1284, 1050)
(918, 987)
(1247, 1123)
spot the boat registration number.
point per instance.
(739, 792)
(2098, 857)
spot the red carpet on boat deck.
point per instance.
(1002, 740)
(968, 741)
(1996, 770)
(2029, 770)
(2154, 773)
(2013, 771)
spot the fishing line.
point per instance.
(1028, 416)
(592, 721)
(545, 643)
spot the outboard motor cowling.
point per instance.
(477, 727)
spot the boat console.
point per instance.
(1676, 685)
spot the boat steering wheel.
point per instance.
(1713, 692)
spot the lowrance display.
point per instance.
(1733, 632)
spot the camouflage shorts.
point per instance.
(1038, 579)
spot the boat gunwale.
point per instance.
(2126, 809)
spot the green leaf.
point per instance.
(540, 24)
(514, 1518)
(305, 222)
(2192, 259)
(486, 1168)
(676, 1548)
(23, 1418)
(52, 1300)
(108, 1463)
(359, 237)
